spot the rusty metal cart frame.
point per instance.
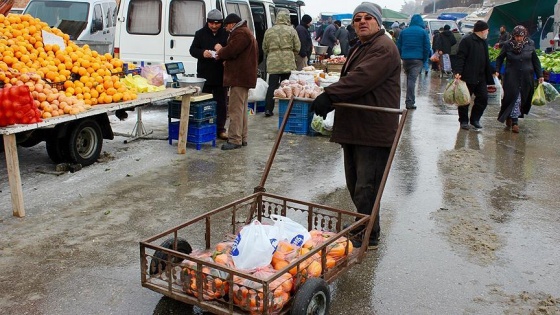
(162, 265)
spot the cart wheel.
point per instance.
(85, 142)
(56, 149)
(159, 261)
(313, 297)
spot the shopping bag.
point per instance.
(449, 92)
(337, 50)
(434, 57)
(252, 247)
(550, 92)
(462, 95)
(538, 97)
(290, 230)
(446, 62)
(258, 93)
(499, 86)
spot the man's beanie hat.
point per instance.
(215, 16)
(371, 9)
(447, 27)
(306, 19)
(480, 26)
(232, 18)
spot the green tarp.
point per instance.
(389, 14)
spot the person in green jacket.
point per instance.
(281, 44)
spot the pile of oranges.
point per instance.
(88, 77)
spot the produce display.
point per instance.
(550, 62)
(297, 88)
(62, 81)
(249, 295)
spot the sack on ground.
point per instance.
(290, 230)
(252, 247)
(550, 92)
(258, 93)
(539, 97)
(446, 62)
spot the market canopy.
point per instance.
(392, 15)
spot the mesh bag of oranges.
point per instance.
(211, 280)
(249, 295)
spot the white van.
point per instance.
(89, 22)
(155, 32)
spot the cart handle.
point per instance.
(403, 112)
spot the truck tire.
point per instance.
(159, 261)
(313, 297)
(85, 142)
(56, 149)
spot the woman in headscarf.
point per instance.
(522, 64)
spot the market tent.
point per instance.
(392, 15)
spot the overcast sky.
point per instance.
(314, 7)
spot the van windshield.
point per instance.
(436, 25)
(53, 12)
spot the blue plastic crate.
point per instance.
(257, 107)
(300, 118)
(554, 77)
(197, 134)
(199, 111)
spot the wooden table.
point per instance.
(10, 144)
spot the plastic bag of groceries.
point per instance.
(290, 230)
(539, 98)
(258, 93)
(252, 247)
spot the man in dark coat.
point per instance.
(504, 37)
(445, 41)
(473, 67)
(306, 43)
(240, 57)
(207, 67)
(371, 76)
(329, 39)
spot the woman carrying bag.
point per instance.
(522, 64)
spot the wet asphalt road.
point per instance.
(76, 252)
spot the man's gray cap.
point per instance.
(371, 9)
(215, 15)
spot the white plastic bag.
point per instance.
(258, 93)
(252, 248)
(290, 230)
(499, 87)
(329, 121)
(337, 50)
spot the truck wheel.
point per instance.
(56, 149)
(313, 297)
(159, 261)
(85, 142)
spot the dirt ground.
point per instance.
(470, 218)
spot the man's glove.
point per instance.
(322, 105)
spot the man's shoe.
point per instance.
(476, 124)
(410, 107)
(465, 126)
(371, 245)
(244, 143)
(223, 135)
(230, 146)
(515, 128)
(268, 113)
(509, 123)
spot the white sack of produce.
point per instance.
(303, 76)
(258, 94)
(252, 247)
(300, 89)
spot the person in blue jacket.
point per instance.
(414, 46)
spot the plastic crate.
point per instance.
(199, 111)
(256, 107)
(300, 118)
(197, 134)
(554, 77)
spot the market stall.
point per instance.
(10, 145)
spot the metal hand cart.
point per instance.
(169, 266)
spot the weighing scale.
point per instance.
(174, 68)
